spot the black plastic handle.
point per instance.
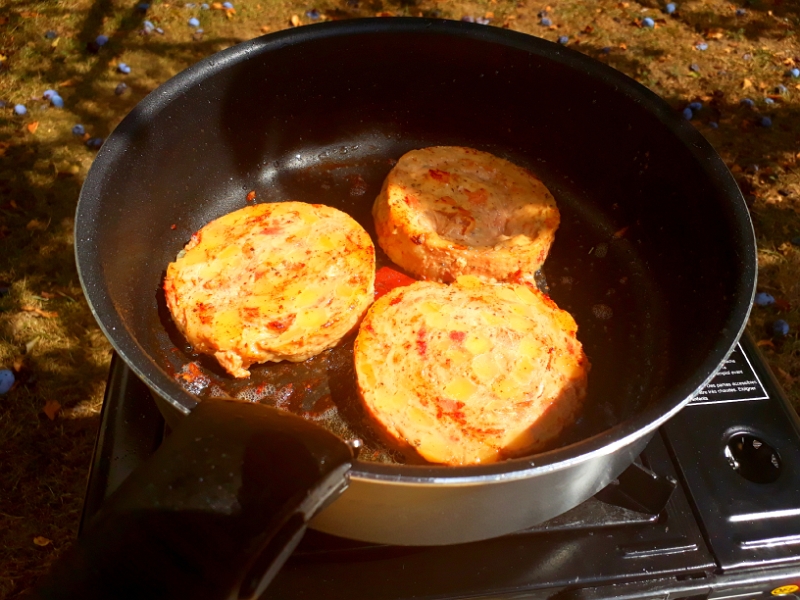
(213, 514)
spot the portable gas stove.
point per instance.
(711, 509)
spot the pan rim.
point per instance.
(606, 442)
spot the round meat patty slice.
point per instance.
(447, 211)
(472, 372)
(271, 282)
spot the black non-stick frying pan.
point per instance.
(655, 259)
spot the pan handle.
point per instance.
(213, 514)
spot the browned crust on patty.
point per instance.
(447, 211)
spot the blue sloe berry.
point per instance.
(764, 299)
(6, 380)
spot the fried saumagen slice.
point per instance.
(271, 282)
(471, 372)
(447, 211)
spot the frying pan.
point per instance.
(655, 259)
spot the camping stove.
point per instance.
(711, 509)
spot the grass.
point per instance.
(47, 333)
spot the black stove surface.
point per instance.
(729, 529)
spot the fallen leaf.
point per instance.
(229, 12)
(747, 84)
(762, 85)
(763, 343)
(266, 29)
(788, 379)
(36, 225)
(67, 83)
(47, 295)
(47, 314)
(295, 21)
(32, 127)
(51, 409)
(489, 15)
(623, 46)
(620, 232)
(782, 305)
(216, 5)
(28, 14)
(42, 541)
(31, 345)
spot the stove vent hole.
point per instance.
(752, 458)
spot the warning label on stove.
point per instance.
(735, 382)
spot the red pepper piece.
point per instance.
(386, 279)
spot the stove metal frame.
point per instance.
(719, 537)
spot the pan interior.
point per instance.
(650, 257)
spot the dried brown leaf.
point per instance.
(32, 127)
(42, 541)
(38, 311)
(36, 225)
(295, 21)
(51, 408)
(620, 232)
(787, 379)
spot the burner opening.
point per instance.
(753, 458)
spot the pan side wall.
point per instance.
(410, 514)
